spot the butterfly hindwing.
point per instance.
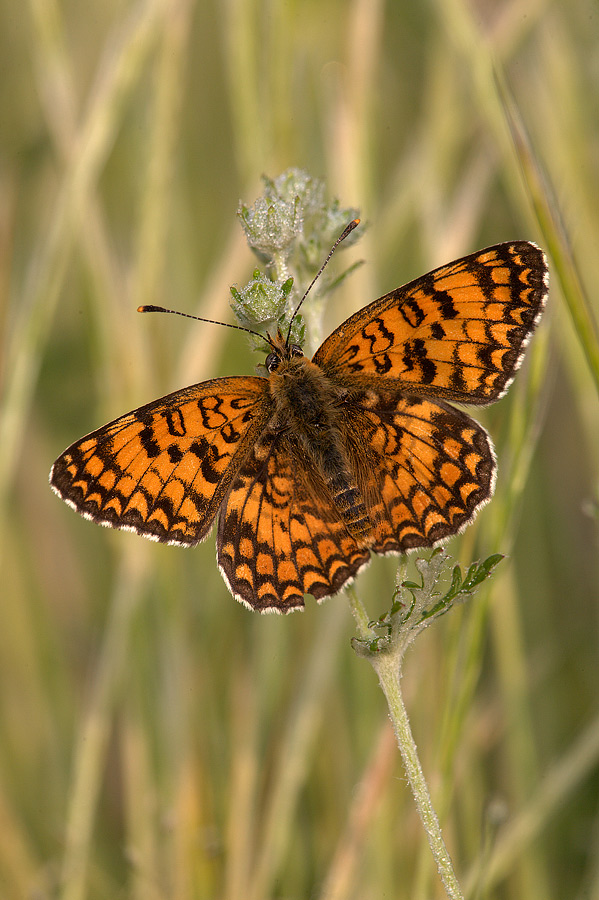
(457, 333)
(279, 535)
(163, 469)
(423, 467)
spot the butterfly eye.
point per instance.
(296, 350)
(272, 361)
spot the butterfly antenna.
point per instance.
(346, 231)
(176, 312)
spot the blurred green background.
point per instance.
(157, 739)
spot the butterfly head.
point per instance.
(280, 351)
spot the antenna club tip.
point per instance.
(150, 308)
(348, 229)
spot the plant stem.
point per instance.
(359, 613)
(387, 668)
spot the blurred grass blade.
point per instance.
(545, 205)
(123, 63)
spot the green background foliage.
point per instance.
(158, 740)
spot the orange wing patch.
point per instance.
(457, 333)
(163, 469)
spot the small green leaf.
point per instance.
(404, 621)
(287, 286)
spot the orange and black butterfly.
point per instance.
(323, 462)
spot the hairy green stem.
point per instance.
(386, 662)
(387, 668)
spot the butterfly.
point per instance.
(324, 462)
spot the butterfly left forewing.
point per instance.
(162, 470)
(457, 333)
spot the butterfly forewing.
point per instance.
(163, 469)
(457, 333)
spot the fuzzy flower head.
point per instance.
(291, 229)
